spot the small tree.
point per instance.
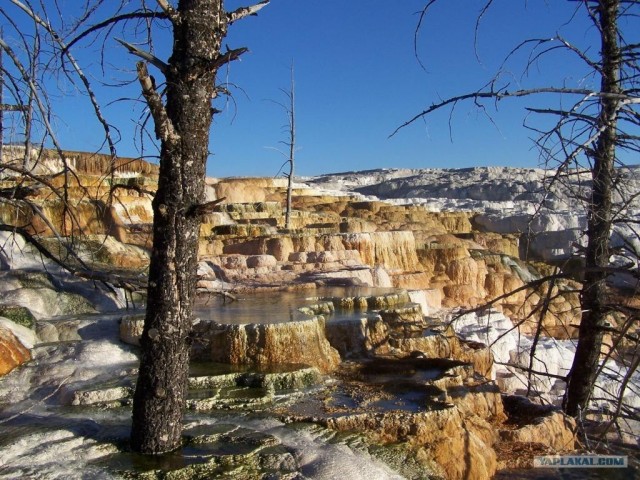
(588, 135)
(290, 143)
(292, 147)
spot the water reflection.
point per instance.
(275, 307)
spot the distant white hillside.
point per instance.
(546, 208)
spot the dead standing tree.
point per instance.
(589, 135)
(182, 114)
(290, 143)
(182, 124)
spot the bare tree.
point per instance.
(182, 125)
(290, 143)
(181, 113)
(588, 135)
(292, 147)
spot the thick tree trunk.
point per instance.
(159, 398)
(1, 100)
(594, 291)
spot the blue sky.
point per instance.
(357, 79)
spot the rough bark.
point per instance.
(594, 291)
(199, 27)
(1, 101)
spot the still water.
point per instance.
(276, 307)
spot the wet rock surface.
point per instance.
(301, 342)
(385, 405)
(437, 406)
(350, 385)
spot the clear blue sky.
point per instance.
(357, 79)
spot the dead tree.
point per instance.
(290, 143)
(181, 114)
(292, 147)
(587, 134)
(182, 125)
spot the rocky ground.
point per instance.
(394, 370)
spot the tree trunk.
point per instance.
(594, 291)
(160, 393)
(1, 99)
(292, 148)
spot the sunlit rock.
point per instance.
(239, 190)
(131, 327)
(58, 331)
(107, 250)
(298, 342)
(261, 261)
(457, 445)
(12, 351)
(430, 300)
(102, 396)
(45, 303)
(539, 424)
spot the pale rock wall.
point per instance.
(239, 190)
(299, 343)
(134, 209)
(468, 277)
(48, 161)
(460, 445)
(391, 250)
(555, 430)
(84, 217)
(424, 298)
(358, 338)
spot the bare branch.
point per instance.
(164, 128)
(34, 89)
(243, 12)
(17, 192)
(44, 251)
(422, 15)
(205, 208)
(229, 56)
(563, 113)
(167, 8)
(476, 30)
(12, 108)
(79, 72)
(499, 95)
(580, 54)
(153, 60)
(111, 21)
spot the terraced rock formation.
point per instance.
(393, 369)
